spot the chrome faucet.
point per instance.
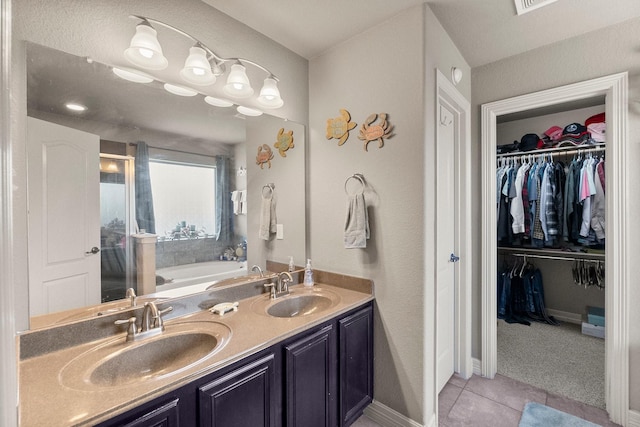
(131, 295)
(283, 282)
(281, 287)
(258, 269)
(151, 325)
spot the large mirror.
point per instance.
(197, 157)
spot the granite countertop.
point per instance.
(44, 400)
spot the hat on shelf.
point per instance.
(554, 133)
(574, 134)
(529, 142)
(551, 137)
(596, 126)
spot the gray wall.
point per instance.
(391, 69)
(593, 55)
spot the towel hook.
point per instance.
(270, 187)
(360, 178)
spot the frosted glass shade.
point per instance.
(248, 111)
(217, 102)
(238, 85)
(144, 50)
(132, 75)
(197, 69)
(270, 95)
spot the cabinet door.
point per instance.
(165, 415)
(356, 364)
(310, 383)
(244, 397)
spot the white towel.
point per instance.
(243, 202)
(235, 198)
(268, 219)
(356, 228)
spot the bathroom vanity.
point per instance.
(304, 359)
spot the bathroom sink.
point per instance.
(117, 363)
(298, 303)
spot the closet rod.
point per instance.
(558, 258)
(552, 151)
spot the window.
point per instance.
(183, 195)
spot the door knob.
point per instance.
(94, 250)
(454, 258)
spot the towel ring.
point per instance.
(270, 188)
(360, 178)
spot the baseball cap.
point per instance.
(597, 118)
(554, 133)
(529, 142)
(574, 134)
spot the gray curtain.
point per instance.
(224, 207)
(144, 199)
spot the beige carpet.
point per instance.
(558, 359)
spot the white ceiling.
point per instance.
(484, 30)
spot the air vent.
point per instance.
(524, 6)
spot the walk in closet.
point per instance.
(551, 249)
(575, 274)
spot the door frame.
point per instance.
(8, 306)
(614, 89)
(447, 94)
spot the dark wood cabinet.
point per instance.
(310, 379)
(158, 413)
(322, 377)
(244, 397)
(356, 364)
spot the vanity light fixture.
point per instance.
(145, 50)
(202, 66)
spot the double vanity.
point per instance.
(304, 358)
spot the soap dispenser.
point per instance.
(292, 266)
(308, 274)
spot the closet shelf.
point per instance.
(551, 253)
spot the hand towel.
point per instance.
(356, 229)
(268, 219)
(243, 202)
(235, 199)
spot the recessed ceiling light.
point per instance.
(73, 106)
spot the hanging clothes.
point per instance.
(550, 204)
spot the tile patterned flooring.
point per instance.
(480, 402)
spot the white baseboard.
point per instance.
(477, 366)
(633, 419)
(565, 316)
(387, 417)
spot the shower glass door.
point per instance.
(115, 226)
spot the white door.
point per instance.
(64, 217)
(445, 244)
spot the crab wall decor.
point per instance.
(284, 141)
(265, 155)
(340, 126)
(375, 132)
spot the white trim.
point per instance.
(8, 371)
(633, 419)
(387, 417)
(477, 366)
(614, 88)
(448, 94)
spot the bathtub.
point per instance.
(199, 274)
